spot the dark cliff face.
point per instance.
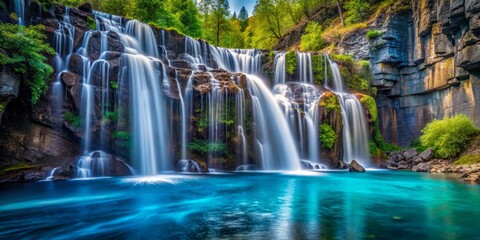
(426, 65)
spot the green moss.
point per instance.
(343, 59)
(2, 107)
(371, 106)
(375, 151)
(417, 144)
(121, 135)
(73, 119)
(371, 34)
(92, 24)
(291, 62)
(114, 85)
(19, 166)
(330, 102)
(318, 67)
(327, 136)
(202, 146)
(468, 160)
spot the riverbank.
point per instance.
(415, 161)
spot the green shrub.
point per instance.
(121, 135)
(291, 62)
(311, 40)
(92, 24)
(327, 136)
(418, 145)
(330, 102)
(202, 146)
(371, 34)
(318, 68)
(114, 85)
(343, 59)
(468, 160)
(371, 106)
(73, 119)
(448, 137)
(25, 49)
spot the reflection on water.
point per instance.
(341, 205)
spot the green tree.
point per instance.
(116, 7)
(188, 17)
(357, 10)
(312, 40)
(243, 15)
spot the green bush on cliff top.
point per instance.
(327, 136)
(24, 49)
(448, 137)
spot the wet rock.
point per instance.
(402, 166)
(32, 176)
(427, 154)
(71, 79)
(342, 165)
(356, 167)
(422, 167)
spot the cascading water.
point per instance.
(280, 75)
(274, 141)
(355, 133)
(238, 60)
(304, 63)
(19, 8)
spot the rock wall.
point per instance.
(426, 64)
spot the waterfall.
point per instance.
(304, 66)
(94, 164)
(19, 8)
(240, 123)
(51, 174)
(193, 51)
(151, 151)
(273, 137)
(183, 113)
(280, 75)
(143, 38)
(238, 60)
(355, 133)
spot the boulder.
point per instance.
(342, 165)
(355, 167)
(410, 153)
(71, 79)
(422, 167)
(427, 154)
(417, 160)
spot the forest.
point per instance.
(214, 21)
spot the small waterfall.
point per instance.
(302, 118)
(183, 113)
(304, 66)
(94, 164)
(240, 121)
(280, 75)
(51, 174)
(64, 36)
(189, 166)
(19, 8)
(238, 60)
(193, 51)
(143, 38)
(275, 145)
(355, 133)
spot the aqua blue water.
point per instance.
(375, 205)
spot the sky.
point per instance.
(236, 5)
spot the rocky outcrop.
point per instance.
(425, 64)
(355, 167)
(9, 87)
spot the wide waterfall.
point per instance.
(164, 114)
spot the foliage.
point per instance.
(291, 62)
(73, 119)
(327, 136)
(468, 160)
(114, 85)
(121, 135)
(371, 106)
(319, 66)
(343, 59)
(330, 102)
(357, 10)
(417, 144)
(92, 24)
(371, 34)
(18, 166)
(202, 146)
(448, 137)
(110, 116)
(311, 40)
(25, 49)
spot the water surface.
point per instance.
(375, 205)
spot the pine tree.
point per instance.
(243, 14)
